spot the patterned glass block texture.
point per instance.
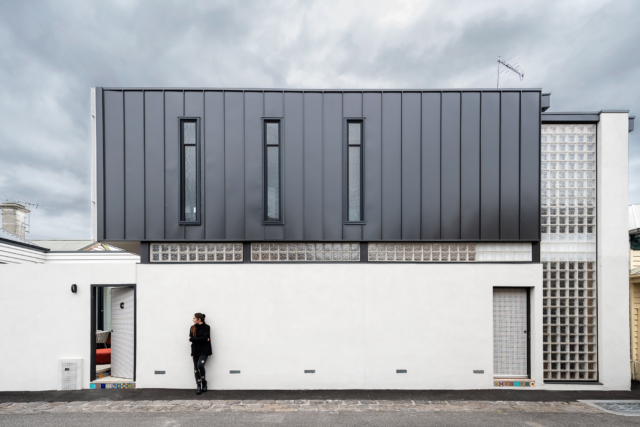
(509, 333)
(196, 252)
(297, 252)
(568, 252)
(449, 252)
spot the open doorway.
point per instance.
(113, 336)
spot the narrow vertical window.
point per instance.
(272, 172)
(354, 171)
(189, 171)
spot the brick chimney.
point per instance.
(13, 218)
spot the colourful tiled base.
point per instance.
(514, 383)
(112, 385)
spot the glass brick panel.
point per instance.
(298, 252)
(450, 252)
(196, 252)
(568, 252)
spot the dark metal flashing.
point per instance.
(580, 116)
(24, 245)
(222, 89)
(571, 117)
(545, 101)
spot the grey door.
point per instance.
(510, 343)
(122, 335)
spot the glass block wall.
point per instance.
(196, 252)
(449, 252)
(292, 252)
(568, 252)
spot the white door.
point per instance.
(122, 337)
(510, 332)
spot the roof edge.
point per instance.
(582, 117)
(24, 245)
(321, 90)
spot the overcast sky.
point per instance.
(53, 52)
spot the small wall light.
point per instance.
(121, 305)
(74, 288)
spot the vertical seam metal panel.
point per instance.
(184, 102)
(144, 166)
(440, 171)
(520, 165)
(304, 171)
(421, 120)
(100, 167)
(124, 169)
(203, 177)
(164, 161)
(500, 166)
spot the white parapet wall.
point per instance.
(613, 249)
(354, 324)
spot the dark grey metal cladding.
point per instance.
(114, 162)
(391, 166)
(470, 167)
(411, 170)
(253, 112)
(133, 157)
(154, 164)
(431, 121)
(510, 166)
(450, 165)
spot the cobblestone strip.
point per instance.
(293, 406)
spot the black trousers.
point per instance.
(198, 367)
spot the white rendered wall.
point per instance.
(613, 250)
(355, 324)
(42, 321)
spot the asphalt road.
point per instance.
(288, 419)
(531, 395)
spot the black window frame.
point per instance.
(280, 121)
(181, 216)
(361, 121)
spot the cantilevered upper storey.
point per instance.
(196, 164)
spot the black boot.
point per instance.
(204, 385)
(199, 391)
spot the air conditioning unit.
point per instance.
(69, 374)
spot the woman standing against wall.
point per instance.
(199, 335)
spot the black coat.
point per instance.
(201, 343)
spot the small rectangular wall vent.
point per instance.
(70, 374)
(234, 372)
(478, 371)
(309, 371)
(160, 372)
(401, 371)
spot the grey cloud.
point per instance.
(52, 52)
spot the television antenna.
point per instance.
(30, 206)
(510, 65)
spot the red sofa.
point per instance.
(103, 356)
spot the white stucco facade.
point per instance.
(613, 250)
(42, 321)
(354, 324)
